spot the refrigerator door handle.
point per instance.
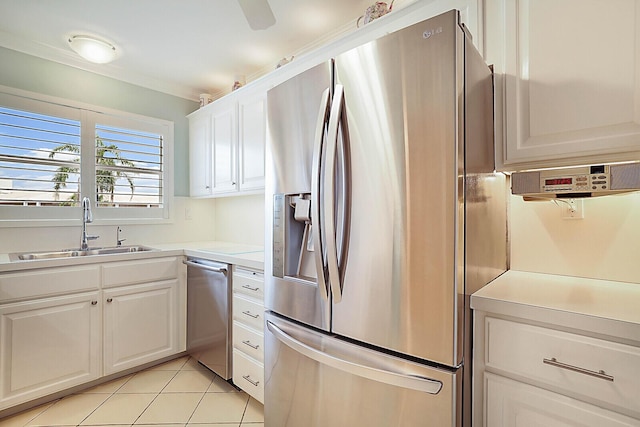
(329, 193)
(317, 226)
(413, 382)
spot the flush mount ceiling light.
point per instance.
(93, 49)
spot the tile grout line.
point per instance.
(156, 396)
(103, 402)
(197, 406)
(201, 397)
(246, 406)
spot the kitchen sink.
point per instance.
(68, 253)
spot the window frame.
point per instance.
(89, 116)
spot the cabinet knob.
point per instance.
(94, 302)
(109, 299)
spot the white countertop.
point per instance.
(231, 253)
(601, 306)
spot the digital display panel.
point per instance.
(558, 181)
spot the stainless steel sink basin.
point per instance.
(67, 253)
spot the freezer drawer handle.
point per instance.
(414, 382)
(257, 288)
(247, 342)
(205, 267)
(248, 313)
(248, 378)
(598, 374)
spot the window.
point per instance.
(39, 156)
(128, 168)
(51, 156)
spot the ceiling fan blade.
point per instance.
(258, 13)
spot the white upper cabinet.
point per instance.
(252, 125)
(227, 142)
(200, 156)
(567, 81)
(224, 148)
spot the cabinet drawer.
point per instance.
(511, 404)
(248, 374)
(47, 282)
(249, 282)
(139, 271)
(248, 341)
(248, 312)
(566, 361)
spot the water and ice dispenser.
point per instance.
(293, 246)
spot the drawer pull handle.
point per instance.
(247, 342)
(248, 313)
(248, 378)
(250, 288)
(599, 374)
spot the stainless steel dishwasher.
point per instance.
(209, 314)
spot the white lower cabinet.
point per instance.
(66, 326)
(248, 331)
(48, 345)
(538, 374)
(139, 324)
(514, 404)
(248, 374)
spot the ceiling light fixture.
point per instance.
(93, 49)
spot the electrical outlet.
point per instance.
(573, 209)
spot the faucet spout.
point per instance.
(87, 217)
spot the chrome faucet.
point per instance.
(87, 217)
(118, 239)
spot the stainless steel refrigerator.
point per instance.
(385, 216)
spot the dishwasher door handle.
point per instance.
(205, 267)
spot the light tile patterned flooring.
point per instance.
(177, 393)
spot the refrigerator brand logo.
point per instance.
(431, 32)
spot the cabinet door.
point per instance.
(251, 141)
(141, 324)
(200, 156)
(48, 345)
(513, 404)
(223, 129)
(567, 81)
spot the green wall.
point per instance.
(38, 75)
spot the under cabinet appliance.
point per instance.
(578, 182)
(209, 314)
(385, 215)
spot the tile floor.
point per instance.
(177, 393)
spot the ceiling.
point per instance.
(183, 48)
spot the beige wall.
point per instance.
(603, 245)
(240, 219)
